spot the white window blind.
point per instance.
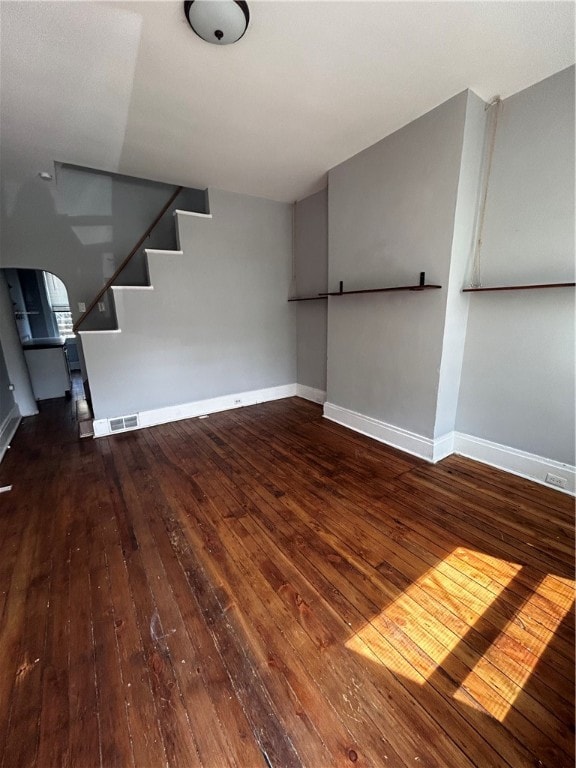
(57, 293)
(58, 299)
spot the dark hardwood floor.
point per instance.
(265, 588)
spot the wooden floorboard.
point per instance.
(263, 588)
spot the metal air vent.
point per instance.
(123, 422)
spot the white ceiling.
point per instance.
(128, 87)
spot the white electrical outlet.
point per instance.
(559, 482)
(238, 402)
(101, 306)
(81, 306)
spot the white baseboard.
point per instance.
(310, 393)
(199, 408)
(528, 465)
(424, 447)
(8, 429)
(512, 460)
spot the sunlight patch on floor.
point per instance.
(421, 629)
(410, 639)
(509, 685)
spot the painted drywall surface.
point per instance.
(13, 354)
(82, 225)
(518, 375)
(391, 216)
(311, 277)
(217, 321)
(312, 333)
(528, 229)
(456, 318)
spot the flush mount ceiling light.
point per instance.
(45, 176)
(218, 21)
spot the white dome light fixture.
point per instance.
(218, 21)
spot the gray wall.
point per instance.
(311, 277)
(13, 354)
(82, 225)
(217, 321)
(391, 215)
(518, 376)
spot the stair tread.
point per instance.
(132, 287)
(83, 412)
(86, 428)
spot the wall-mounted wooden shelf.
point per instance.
(384, 290)
(420, 287)
(309, 298)
(518, 287)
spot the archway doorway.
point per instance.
(44, 322)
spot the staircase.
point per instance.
(119, 296)
(211, 330)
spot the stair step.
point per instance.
(84, 418)
(132, 287)
(86, 429)
(162, 252)
(193, 213)
(83, 412)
